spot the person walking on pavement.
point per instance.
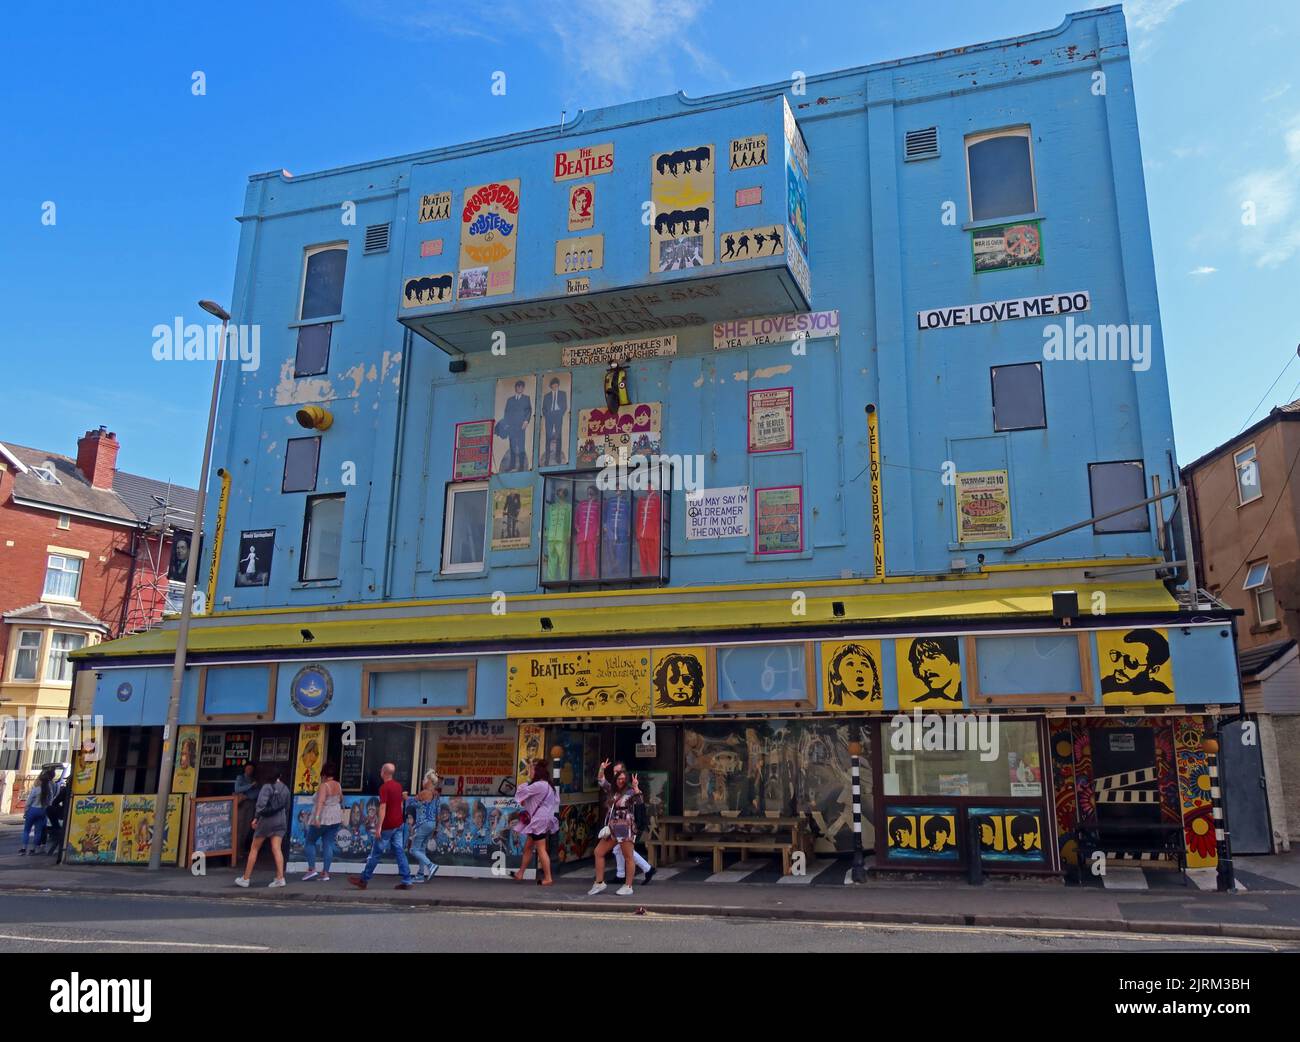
(619, 830)
(270, 821)
(425, 803)
(325, 821)
(388, 832)
(539, 802)
(39, 800)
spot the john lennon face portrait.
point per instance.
(679, 681)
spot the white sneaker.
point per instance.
(325, 877)
(624, 891)
(241, 881)
(313, 874)
(597, 888)
(274, 883)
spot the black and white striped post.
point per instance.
(1225, 878)
(855, 752)
(557, 754)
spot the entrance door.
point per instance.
(1244, 794)
(1131, 801)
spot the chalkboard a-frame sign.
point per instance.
(213, 826)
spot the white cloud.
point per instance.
(624, 43)
(1275, 93)
(1273, 193)
(1144, 18)
(1204, 269)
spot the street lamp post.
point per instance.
(187, 607)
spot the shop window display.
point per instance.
(1000, 758)
(592, 535)
(778, 768)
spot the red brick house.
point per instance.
(85, 555)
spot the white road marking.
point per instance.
(142, 944)
(1120, 878)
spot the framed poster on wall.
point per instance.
(771, 419)
(778, 520)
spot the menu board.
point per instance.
(353, 770)
(212, 827)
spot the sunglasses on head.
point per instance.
(1129, 661)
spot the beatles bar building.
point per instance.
(718, 436)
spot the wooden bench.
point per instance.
(668, 835)
(1131, 841)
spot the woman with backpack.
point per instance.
(270, 821)
(39, 800)
(619, 830)
(538, 803)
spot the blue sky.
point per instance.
(97, 115)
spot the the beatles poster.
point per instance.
(983, 506)
(512, 518)
(186, 773)
(681, 193)
(748, 152)
(1009, 834)
(921, 833)
(256, 549)
(557, 395)
(778, 520)
(472, 455)
(929, 673)
(851, 677)
(579, 254)
(680, 678)
(751, 243)
(312, 747)
(513, 432)
(578, 683)
(582, 206)
(771, 419)
(489, 237)
(630, 430)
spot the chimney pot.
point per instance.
(97, 457)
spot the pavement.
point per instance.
(1268, 906)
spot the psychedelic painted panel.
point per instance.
(1194, 785)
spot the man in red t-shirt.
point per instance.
(388, 831)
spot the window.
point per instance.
(51, 745)
(65, 522)
(313, 356)
(1248, 489)
(28, 655)
(1018, 397)
(1258, 580)
(12, 730)
(46, 474)
(1016, 770)
(595, 536)
(1000, 172)
(63, 576)
(464, 527)
(322, 538)
(322, 281)
(301, 457)
(1115, 485)
(58, 668)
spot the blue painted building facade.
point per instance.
(888, 323)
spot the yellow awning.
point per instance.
(929, 607)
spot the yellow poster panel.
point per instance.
(1135, 667)
(311, 754)
(578, 683)
(135, 829)
(489, 239)
(920, 833)
(531, 737)
(851, 680)
(92, 829)
(85, 770)
(681, 682)
(681, 190)
(185, 777)
(983, 506)
(929, 673)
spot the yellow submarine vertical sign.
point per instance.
(681, 219)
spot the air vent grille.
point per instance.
(921, 144)
(376, 238)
